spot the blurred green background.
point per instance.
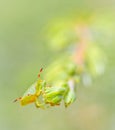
(23, 51)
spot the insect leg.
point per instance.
(38, 104)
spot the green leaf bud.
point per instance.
(70, 96)
(54, 95)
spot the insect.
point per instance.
(33, 93)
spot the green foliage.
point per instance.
(95, 60)
(60, 34)
(81, 62)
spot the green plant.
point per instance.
(81, 61)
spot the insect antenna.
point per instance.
(17, 99)
(40, 72)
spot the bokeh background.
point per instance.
(23, 51)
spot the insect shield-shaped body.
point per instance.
(30, 95)
(33, 92)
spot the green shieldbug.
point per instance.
(33, 92)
